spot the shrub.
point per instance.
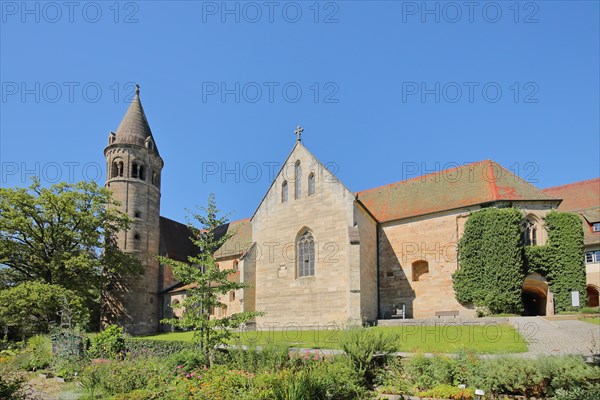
(427, 372)
(269, 358)
(448, 392)
(36, 355)
(509, 376)
(585, 392)
(188, 360)
(567, 372)
(362, 346)
(154, 348)
(109, 343)
(12, 388)
(68, 367)
(113, 377)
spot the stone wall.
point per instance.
(276, 225)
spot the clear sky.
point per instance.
(385, 90)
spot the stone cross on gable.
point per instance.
(298, 132)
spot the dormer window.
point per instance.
(149, 144)
(111, 138)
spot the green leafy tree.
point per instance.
(491, 270)
(207, 284)
(33, 307)
(62, 235)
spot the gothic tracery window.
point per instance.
(311, 183)
(305, 250)
(530, 233)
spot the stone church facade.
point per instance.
(316, 253)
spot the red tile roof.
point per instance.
(463, 186)
(583, 198)
(584, 195)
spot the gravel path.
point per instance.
(556, 337)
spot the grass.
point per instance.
(485, 339)
(592, 320)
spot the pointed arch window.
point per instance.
(284, 192)
(311, 184)
(305, 249)
(530, 232)
(298, 180)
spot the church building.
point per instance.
(315, 253)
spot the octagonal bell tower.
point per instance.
(133, 172)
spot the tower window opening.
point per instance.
(136, 236)
(117, 169)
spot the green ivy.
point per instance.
(562, 259)
(491, 270)
(494, 262)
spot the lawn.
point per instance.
(592, 320)
(485, 339)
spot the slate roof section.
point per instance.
(582, 198)
(466, 185)
(134, 128)
(175, 240)
(176, 243)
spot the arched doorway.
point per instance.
(592, 296)
(535, 295)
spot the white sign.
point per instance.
(575, 299)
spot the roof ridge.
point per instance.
(584, 182)
(427, 175)
(492, 182)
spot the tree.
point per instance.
(62, 235)
(32, 307)
(207, 283)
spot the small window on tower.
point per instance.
(141, 173)
(136, 236)
(134, 170)
(137, 214)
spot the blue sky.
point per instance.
(386, 90)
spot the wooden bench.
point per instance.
(452, 313)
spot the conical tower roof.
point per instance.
(134, 128)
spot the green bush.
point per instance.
(109, 343)
(154, 348)
(363, 347)
(269, 358)
(117, 377)
(585, 392)
(12, 387)
(187, 360)
(36, 355)
(448, 392)
(428, 372)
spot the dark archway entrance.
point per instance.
(535, 295)
(592, 296)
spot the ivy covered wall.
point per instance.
(562, 259)
(494, 262)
